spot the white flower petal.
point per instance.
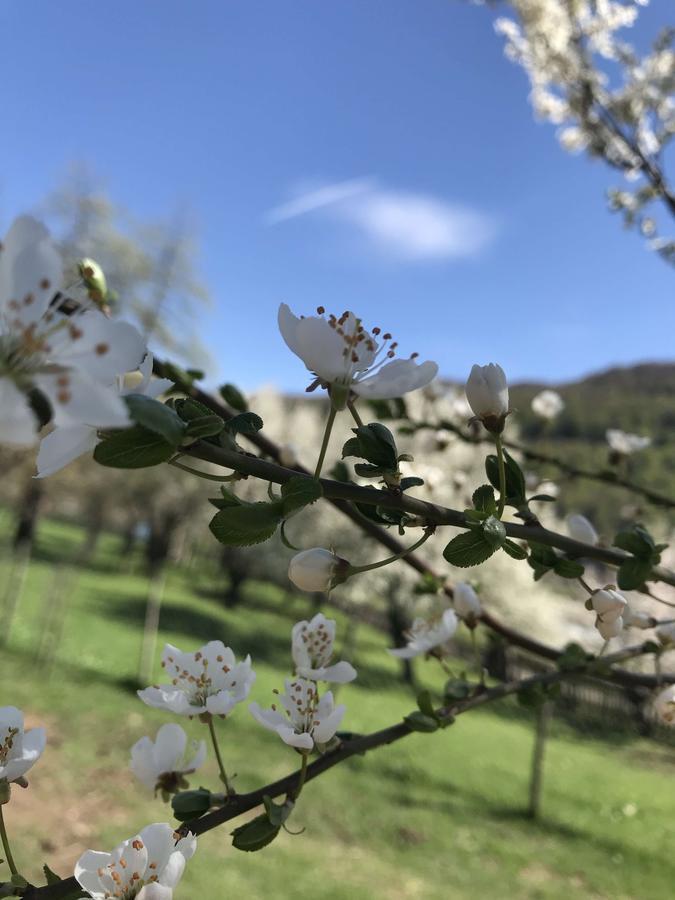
(169, 748)
(398, 377)
(18, 422)
(62, 446)
(77, 400)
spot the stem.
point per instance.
(502, 475)
(354, 570)
(324, 444)
(476, 656)
(5, 843)
(295, 793)
(585, 585)
(351, 406)
(206, 475)
(223, 775)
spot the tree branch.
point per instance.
(241, 803)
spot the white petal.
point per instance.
(30, 268)
(340, 673)
(18, 422)
(168, 697)
(288, 736)
(76, 399)
(62, 446)
(327, 726)
(103, 348)
(198, 759)
(159, 841)
(396, 378)
(155, 891)
(169, 749)
(86, 871)
(268, 718)
(143, 764)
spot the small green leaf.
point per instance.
(299, 491)
(633, 573)
(544, 498)
(245, 423)
(205, 426)
(255, 835)
(568, 568)
(468, 549)
(191, 804)
(515, 480)
(418, 721)
(638, 541)
(572, 657)
(411, 482)
(189, 409)
(243, 526)
(233, 397)
(514, 550)
(494, 532)
(133, 448)
(456, 689)
(156, 417)
(374, 443)
(483, 499)
(277, 813)
(426, 705)
(52, 877)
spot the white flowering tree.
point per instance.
(606, 98)
(64, 364)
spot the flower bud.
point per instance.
(664, 705)
(666, 634)
(466, 603)
(190, 804)
(488, 396)
(94, 279)
(609, 605)
(580, 529)
(316, 570)
(609, 628)
(547, 404)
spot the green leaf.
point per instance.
(572, 657)
(568, 568)
(18, 881)
(299, 491)
(374, 443)
(191, 804)
(544, 498)
(245, 423)
(483, 499)
(133, 448)
(494, 532)
(340, 472)
(156, 417)
(189, 409)
(418, 721)
(243, 526)
(468, 549)
(255, 835)
(532, 697)
(411, 482)
(514, 550)
(205, 426)
(366, 470)
(638, 541)
(542, 555)
(233, 397)
(52, 877)
(633, 573)
(515, 480)
(426, 705)
(456, 689)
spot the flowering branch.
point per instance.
(238, 804)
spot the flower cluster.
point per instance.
(609, 606)
(19, 749)
(302, 717)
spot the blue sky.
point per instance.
(457, 223)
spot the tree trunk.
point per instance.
(28, 515)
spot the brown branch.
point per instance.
(241, 803)
(605, 477)
(265, 445)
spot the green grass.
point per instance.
(434, 816)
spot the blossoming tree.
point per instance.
(63, 365)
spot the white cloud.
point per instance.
(400, 224)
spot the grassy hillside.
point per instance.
(435, 816)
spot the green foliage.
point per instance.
(133, 448)
(233, 397)
(190, 804)
(646, 554)
(156, 417)
(469, 549)
(298, 492)
(515, 480)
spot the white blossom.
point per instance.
(580, 529)
(68, 359)
(664, 705)
(312, 650)
(145, 867)
(625, 443)
(466, 602)
(609, 628)
(488, 394)
(425, 636)
(548, 404)
(608, 604)
(209, 680)
(307, 719)
(19, 749)
(65, 444)
(342, 354)
(315, 569)
(162, 764)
